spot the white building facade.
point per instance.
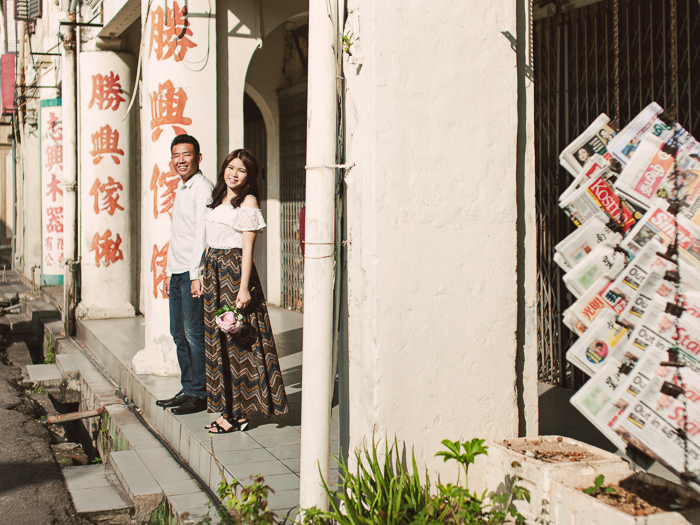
(435, 276)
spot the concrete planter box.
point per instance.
(570, 506)
(505, 461)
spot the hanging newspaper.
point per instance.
(595, 398)
(580, 315)
(596, 167)
(602, 261)
(595, 195)
(579, 243)
(654, 423)
(659, 224)
(650, 176)
(656, 289)
(591, 142)
(626, 141)
(597, 344)
(628, 281)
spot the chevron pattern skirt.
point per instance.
(243, 371)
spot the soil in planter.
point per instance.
(552, 451)
(637, 498)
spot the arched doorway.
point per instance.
(275, 102)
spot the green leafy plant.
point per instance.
(50, 356)
(97, 461)
(243, 504)
(347, 42)
(471, 449)
(598, 489)
(379, 491)
(455, 504)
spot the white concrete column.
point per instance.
(51, 139)
(318, 258)
(178, 96)
(433, 216)
(105, 194)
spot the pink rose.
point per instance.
(227, 322)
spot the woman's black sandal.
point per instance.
(218, 429)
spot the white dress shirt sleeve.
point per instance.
(202, 197)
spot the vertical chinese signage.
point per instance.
(51, 129)
(105, 192)
(179, 97)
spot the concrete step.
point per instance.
(18, 354)
(17, 323)
(186, 501)
(69, 371)
(98, 390)
(97, 494)
(44, 375)
(53, 295)
(37, 309)
(66, 365)
(138, 482)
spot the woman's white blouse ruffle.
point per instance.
(225, 225)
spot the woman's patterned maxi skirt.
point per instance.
(243, 371)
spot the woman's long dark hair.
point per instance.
(251, 188)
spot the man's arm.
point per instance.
(202, 196)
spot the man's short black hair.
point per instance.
(185, 139)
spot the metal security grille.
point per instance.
(292, 193)
(255, 140)
(574, 83)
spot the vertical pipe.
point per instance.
(70, 142)
(319, 255)
(21, 211)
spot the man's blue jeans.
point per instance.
(187, 329)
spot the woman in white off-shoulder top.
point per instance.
(243, 372)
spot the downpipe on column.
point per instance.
(70, 140)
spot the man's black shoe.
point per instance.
(179, 399)
(191, 406)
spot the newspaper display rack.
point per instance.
(633, 267)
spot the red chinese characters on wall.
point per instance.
(159, 263)
(106, 92)
(53, 188)
(170, 30)
(167, 183)
(54, 129)
(54, 221)
(52, 191)
(168, 108)
(107, 96)
(106, 249)
(108, 194)
(105, 141)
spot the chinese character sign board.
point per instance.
(51, 141)
(106, 85)
(178, 97)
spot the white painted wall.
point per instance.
(432, 120)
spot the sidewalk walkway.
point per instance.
(270, 448)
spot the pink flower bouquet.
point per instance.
(229, 319)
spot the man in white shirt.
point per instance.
(184, 270)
